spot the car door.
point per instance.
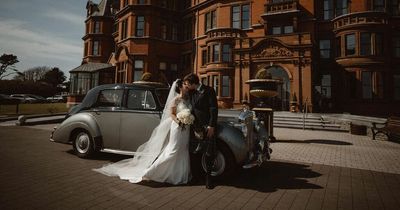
(138, 119)
(107, 112)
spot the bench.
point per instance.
(390, 128)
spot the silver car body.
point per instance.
(121, 130)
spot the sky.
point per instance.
(43, 32)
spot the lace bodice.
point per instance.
(182, 104)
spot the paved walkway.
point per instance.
(38, 174)
(336, 149)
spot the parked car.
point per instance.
(24, 98)
(6, 99)
(117, 118)
(39, 99)
(57, 99)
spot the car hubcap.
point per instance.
(218, 166)
(82, 142)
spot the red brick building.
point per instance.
(334, 55)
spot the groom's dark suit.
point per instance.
(205, 109)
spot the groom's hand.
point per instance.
(210, 132)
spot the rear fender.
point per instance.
(86, 121)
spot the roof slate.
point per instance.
(91, 67)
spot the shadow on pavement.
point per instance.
(315, 141)
(103, 156)
(272, 176)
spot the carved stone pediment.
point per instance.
(273, 51)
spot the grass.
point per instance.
(49, 108)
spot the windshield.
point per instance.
(162, 95)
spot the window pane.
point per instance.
(203, 57)
(109, 98)
(136, 99)
(140, 26)
(350, 44)
(276, 30)
(341, 7)
(245, 16)
(328, 10)
(138, 64)
(366, 79)
(216, 53)
(365, 42)
(225, 86)
(379, 5)
(326, 86)
(236, 17)
(288, 29)
(95, 48)
(213, 19)
(216, 84)
(325, 48)
(226, 53)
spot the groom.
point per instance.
(205, 109)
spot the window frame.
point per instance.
(96, 48)
(366, 45)
(328, 8)
(347, 45)
(210, 20)
(237, 16)
(97, 104)
(225, 86)
(137, 70)
(140, 26)
(328, 50)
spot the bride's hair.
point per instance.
(179, 84)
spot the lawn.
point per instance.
(49, 108)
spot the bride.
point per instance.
(165, 156)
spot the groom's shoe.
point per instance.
(209, 184)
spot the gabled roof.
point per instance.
(91, 67)
(101, 9)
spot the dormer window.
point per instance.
(96, 28)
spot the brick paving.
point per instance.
(309, 170)
(336, 149)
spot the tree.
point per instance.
(33, 74)
(7, 63)
(54, 77)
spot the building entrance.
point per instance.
(282, 100)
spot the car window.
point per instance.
(162, 95)
(109, 98)
(140, 100)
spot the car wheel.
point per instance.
(224, 162)
(83, 144)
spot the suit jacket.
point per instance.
(205, 107)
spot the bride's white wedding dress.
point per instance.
(162, 160)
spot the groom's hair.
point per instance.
(192, 79)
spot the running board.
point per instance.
(115, 151)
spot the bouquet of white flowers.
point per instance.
(185, 117)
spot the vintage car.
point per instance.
(117, 118)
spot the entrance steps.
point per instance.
(311, 121)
